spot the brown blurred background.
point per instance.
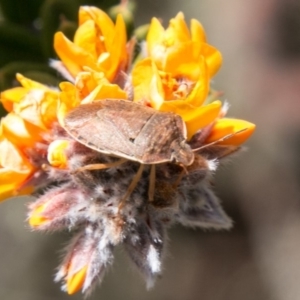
(260, 258)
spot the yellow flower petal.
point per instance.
(118, 49)
(197, 31)
(76, 281)
(11, 183)
(102, 20)
(20, 132)
(57, 154)
(226, 126)
(183, 60)
(110, 91)
(213, 58)
(15, 169)
(30, 84)
(201, 117)
(11, 158)
(11, 96)
(141, 79)
(178, 30)
(93, 85)
(155, 35)
(86, 38)
(67, 100)
(73, 56)
(36, 218)
(39, 107)
(200, 91)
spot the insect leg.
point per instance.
(178, 180)
(100, 166)
(131, 187)
(152, 183)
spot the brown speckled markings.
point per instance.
(130, 130)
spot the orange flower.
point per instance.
(165, 92)
(33, 109)
(15, 170)
(98, 43)
(33, 102)
(180, 51)
(176, 75)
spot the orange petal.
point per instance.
(155, 35)
(110, 91)
(200, 91)
(156, 89)
(20, 132)
(73, 56)
(57, 154)
(30, 84)
(38, 107)
(67, 100)
(11, 182)
(201, 116)
(111, 41)
(11, 158)
(11, 96)
(87, 39)
(105, 24)
(183, 60)
(213, 58)
(76, 281)
(178, 30)
(117, 51)
(141, 78)
(36, 218)
(240, 129)
(197, 31)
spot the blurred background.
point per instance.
(260, 188)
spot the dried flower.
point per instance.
(109, 200)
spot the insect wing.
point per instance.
(96, 131)
(127, 117)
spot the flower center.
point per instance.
(175, 88)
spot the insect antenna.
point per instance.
(226, 137)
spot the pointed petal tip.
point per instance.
(36, 219)
(238, 131)
(76, 281)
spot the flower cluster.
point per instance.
(107, 199)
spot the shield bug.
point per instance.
(132, 132)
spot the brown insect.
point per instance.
(132, 132)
